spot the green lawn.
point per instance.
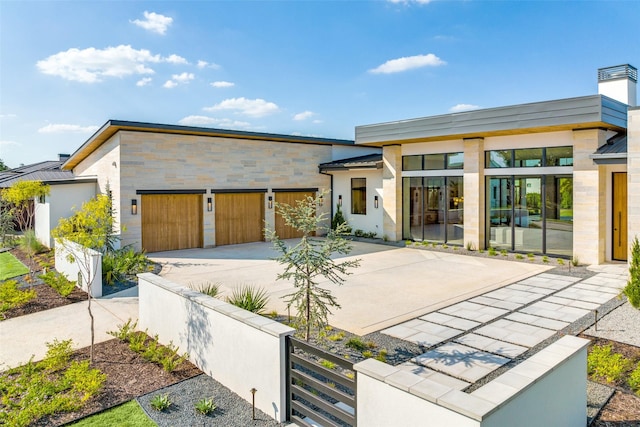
(128, 414)
(10, 266)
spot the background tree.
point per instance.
(3, 167)
(90, 227)
(20, 195)
(6, 222)
(310, 260)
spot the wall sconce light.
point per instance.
(270, 203)
(375, 202)
(134, 207)
(340, 200)
(209, 204)
(320, 200)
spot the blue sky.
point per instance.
(292, 67)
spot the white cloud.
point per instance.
(154, 22)
(317, 121)
(205, 64)
(304, 115)
(205, 120)
(177, 79)
(6, 143)
(408, 63)
(463, 107)
(144, 81)
(91, 65)
(249, 107)
(222, 84)
(66, 128)
(8, 116)
(175, 59)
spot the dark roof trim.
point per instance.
(111, 127)
(369, 161)
(73, 181)
(294, 190)
(238, 190)
(171, 191)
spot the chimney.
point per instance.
(63, 157)
(619, 83)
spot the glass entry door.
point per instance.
(528, 214)
(500, 213)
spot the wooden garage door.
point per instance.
(283, 230)
(239, 218)
(171, 221)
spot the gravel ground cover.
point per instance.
(231, 410)
(621, 325)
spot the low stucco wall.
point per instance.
(85, 263)
(547, 389)
(240, 349)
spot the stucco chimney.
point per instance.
(619, 83)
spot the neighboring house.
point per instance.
(67, 192)
(557, 177)
(178, 187)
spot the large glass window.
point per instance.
(434, 161)
(527, 158)
(531, 214)
(359, 196)
(412, 163)
(455, 161)
(498, 159)
(559, 156)
(433, 209)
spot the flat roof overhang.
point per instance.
(596, 111)
(111, 127)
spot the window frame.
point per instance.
(359, 196)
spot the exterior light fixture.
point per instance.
(375, 202)
(340, 200)
(134, 207)
(320, 200)
(270, 202)
(209, 204)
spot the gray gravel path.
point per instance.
(231, 410)
(597, 396)
(619, 325)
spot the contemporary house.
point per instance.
(178, 187)
(66, 192)
(557, 177)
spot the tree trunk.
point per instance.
(92, 328)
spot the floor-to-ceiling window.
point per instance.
(530, 211)
(433, 204)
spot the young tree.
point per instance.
(310, 260)
(90, 227)
(632, 290)
(21, 195)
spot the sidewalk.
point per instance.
(24, 336)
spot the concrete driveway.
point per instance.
(391, 285)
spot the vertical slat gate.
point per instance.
(321, 386)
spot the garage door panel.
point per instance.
(171, 221)
(239, 218)
(283, 230)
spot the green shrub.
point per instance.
(160, 402)
(634, 380)
(545, 259)
(205, 406)
(118, 264)
(492, 251)
(358, 233)
(560, 261)
(11, 296)
(519, 256)
(85, 382)
(382, 356)
(137, 341)
(30, 245)
(356, 344)
(125, 331)
(632, 289)
(328, 364)
(336, 337)
(604, 365)
(211, 289)
(57, 281)
(338, 218)
(58, 355)
(367, 354)
(250, 298)
(503, 252)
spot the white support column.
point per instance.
(474, 193)
(392, 191)
(589, 198)
(633, 176)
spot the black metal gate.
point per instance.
(321, 386)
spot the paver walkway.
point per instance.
(473, 338)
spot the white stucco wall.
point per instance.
(240, 349)
(372, 221)
(61, 202)
(633, 176)
(80, 264)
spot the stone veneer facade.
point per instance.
(132, 161)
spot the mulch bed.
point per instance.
(128, 376)
(623, 409)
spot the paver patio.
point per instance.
(501, 325)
